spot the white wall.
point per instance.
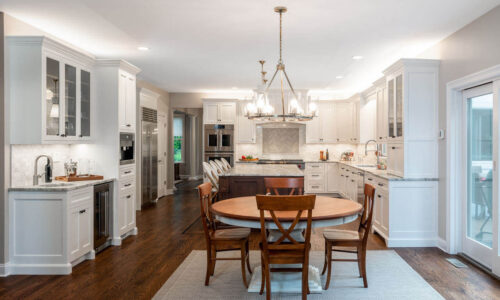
(473, 48)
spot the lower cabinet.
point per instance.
(125, 204)
(50, 231)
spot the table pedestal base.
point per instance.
(284, 282)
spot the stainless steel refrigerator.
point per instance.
(149, 149)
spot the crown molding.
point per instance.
(118, 63)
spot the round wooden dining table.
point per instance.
(328, 211)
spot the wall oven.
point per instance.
(127, 142)
(219, 138)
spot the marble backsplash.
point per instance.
(23, 159)
(287, 145)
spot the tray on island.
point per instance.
(79, 177)
(253, 159)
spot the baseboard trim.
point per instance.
(442, 244)
(170, 192)
(396, 243)
(4, 270)
(40, 269)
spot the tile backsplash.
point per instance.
(276, 141)
(23, 159)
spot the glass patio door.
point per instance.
(478, 230)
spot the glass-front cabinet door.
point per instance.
(70, 101)
(399, 106)
(52, 98)
(390, 100)
(84, 103)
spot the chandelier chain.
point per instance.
(281, 14)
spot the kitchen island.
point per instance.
(248, 179)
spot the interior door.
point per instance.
(478, 214)
(162, 155)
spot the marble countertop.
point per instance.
(265, 170)
(373, 170)
(59, 186)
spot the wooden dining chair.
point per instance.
(351, 241)
(209, 174)
(226, 163)
(221, 165)
(292, 184)
(219, 240)
(216, 167)
(285, 250)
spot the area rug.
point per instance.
(389, 277)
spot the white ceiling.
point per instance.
(197, 46)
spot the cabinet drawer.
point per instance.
(127, 171)
(126, 184)
(315, 167)
(80, 196)
(315, 176)
(370, 179)
(381, 184)
(315, 187)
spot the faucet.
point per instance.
(377, 153)
(35, 173)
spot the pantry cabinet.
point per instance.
(412, 118)
(222, 112)
(50, 88)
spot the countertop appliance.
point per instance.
(127, 142)
(149, 156)
(219, 142)
(102, 207)
(299, 162)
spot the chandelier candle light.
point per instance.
(262, 109)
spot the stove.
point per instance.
(298, 162)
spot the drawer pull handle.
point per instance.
(379, 196)
(370, 179)
(380, 184)
(128, 184)
(82, 211)
(127, 172)
(315, 186)
(128, 197)
(315, 175)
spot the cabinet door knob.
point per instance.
(128, 197)
(81, 135)
(82, 211)
(128, 125)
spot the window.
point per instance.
(178, 139)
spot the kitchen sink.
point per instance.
(366, 166)
(57, 184)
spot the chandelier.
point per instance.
(265, 104)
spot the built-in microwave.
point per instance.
(127, 142)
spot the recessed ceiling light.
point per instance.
(142, 48)
(357, 57)
(339, 77)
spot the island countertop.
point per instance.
(265, 170)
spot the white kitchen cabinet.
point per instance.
(50, 231)
(322, 129)
(332, 177)
(382, 115)
(127, 102)
(126, 201)
(50, 88)
(412, 122)
(219, 112)
(368, 119)
(314, 177)
(245, 127)
(346, 121)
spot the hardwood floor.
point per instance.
(171, 229)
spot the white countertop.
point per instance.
(59, 186)
(247, 169)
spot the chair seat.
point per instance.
(231, 234)
(341, 235)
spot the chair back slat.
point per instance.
(367, 215)
(274, 204)
(205, 192)
(293, 184)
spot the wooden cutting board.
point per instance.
(79, 178)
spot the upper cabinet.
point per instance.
(322, 129)
(126, 101)
(245, 127)
(51, 88)
(346, 121)
(219, 112)
(382, 113)
(412, 117)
